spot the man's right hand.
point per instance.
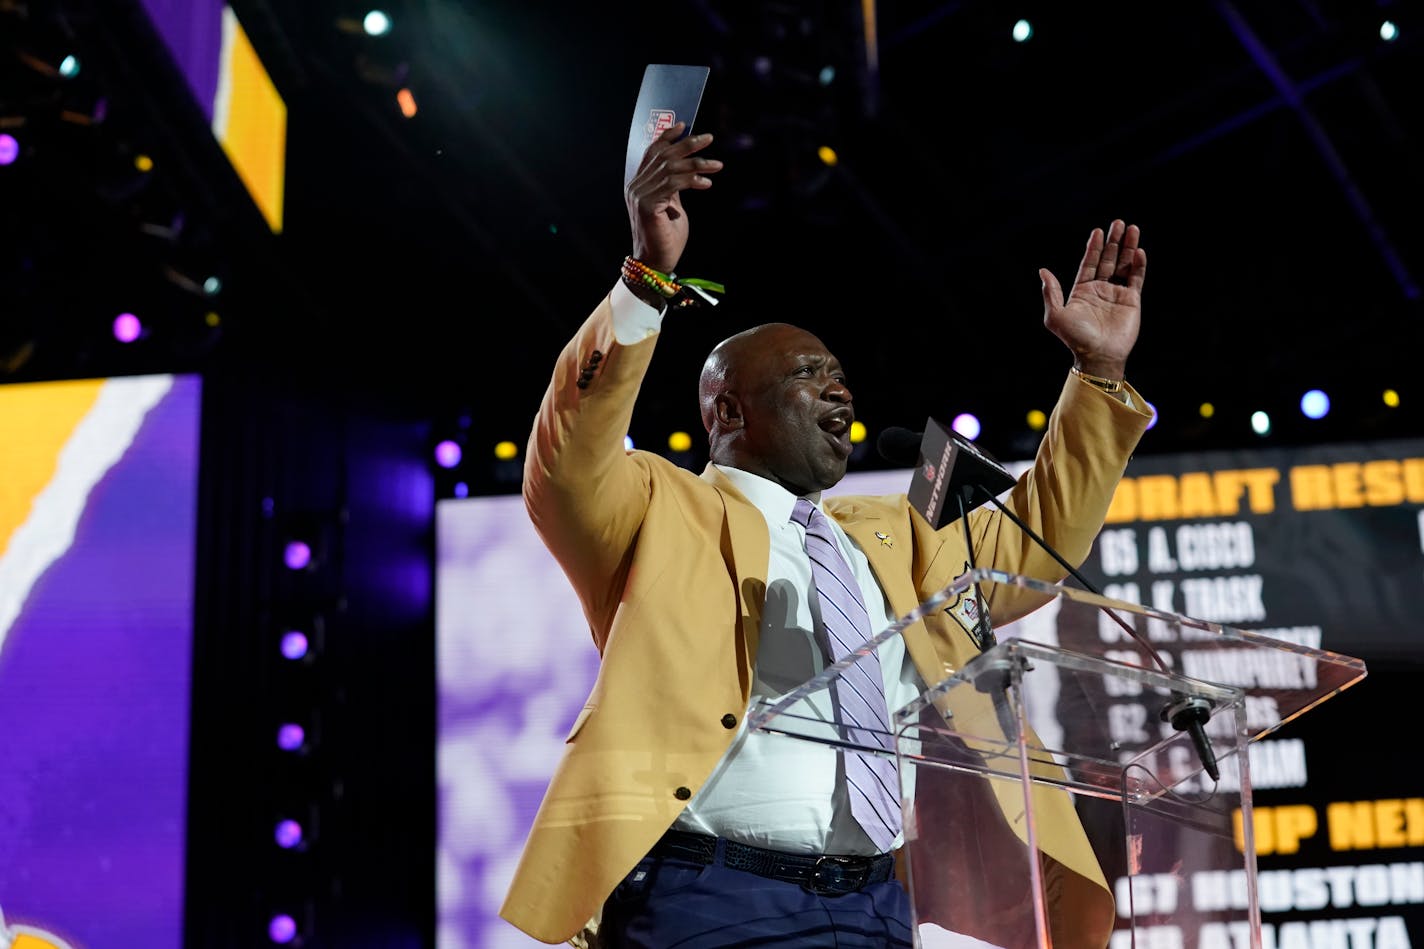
(654, 198)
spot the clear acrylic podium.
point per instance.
(1055, 791)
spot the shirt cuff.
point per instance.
(633, 319)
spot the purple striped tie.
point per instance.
(860, 692)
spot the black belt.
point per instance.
(827, 874)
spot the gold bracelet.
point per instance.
(1107, 385)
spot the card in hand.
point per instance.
(669, 94)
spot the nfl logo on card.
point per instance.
(659, 122)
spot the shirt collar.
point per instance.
(775, 502)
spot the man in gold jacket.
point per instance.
(630, 847)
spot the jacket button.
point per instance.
(595, 357)
(682, 794)
(729, 720)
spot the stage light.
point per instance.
(288, 834)
(127, 328)
(406, 100)
(38, 64)
(1206, 410)
(462, 490)
(1036, 419)
(69, 66)
(627, 442)
(9, 148)
(966, 425)
(447, 454)
(506, 468)
(679, 441)
(212, 286)
(827, 75)
(295, 644)
(828, 156)
(1261, 423)
(857, 432)
(282, 929)
(143, 163)
(291, 736)
(180, 279)
(1315, 404)
(1152, 421)
(1023, 31)
(75, 117)
(297, 555)
(376, 23)
(1391, 398)
(1389, 32)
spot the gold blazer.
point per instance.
(671, 570)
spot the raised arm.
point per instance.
(1065, 496)
(585, 495)
(654, 198)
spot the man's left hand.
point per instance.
(1100, 319)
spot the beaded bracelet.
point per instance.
(668, 285)
(661, 283)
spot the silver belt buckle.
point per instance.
(835, 874)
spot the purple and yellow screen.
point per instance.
(97, 521)
(230, 84)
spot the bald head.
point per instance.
(774, 402)
(719, 372)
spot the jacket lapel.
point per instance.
(890, 560)
(745, 546)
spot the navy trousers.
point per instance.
(671, 903)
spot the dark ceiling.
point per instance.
(1269, 153)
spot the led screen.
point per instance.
(230, 84)
(97, 520)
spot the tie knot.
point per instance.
(810, 517)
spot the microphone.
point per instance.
(948, 463)
(898, 445)
(1190, 714)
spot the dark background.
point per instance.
(433, 266)
(430, 269)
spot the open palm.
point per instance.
(1102, 314)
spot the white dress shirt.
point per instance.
(772, 790)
